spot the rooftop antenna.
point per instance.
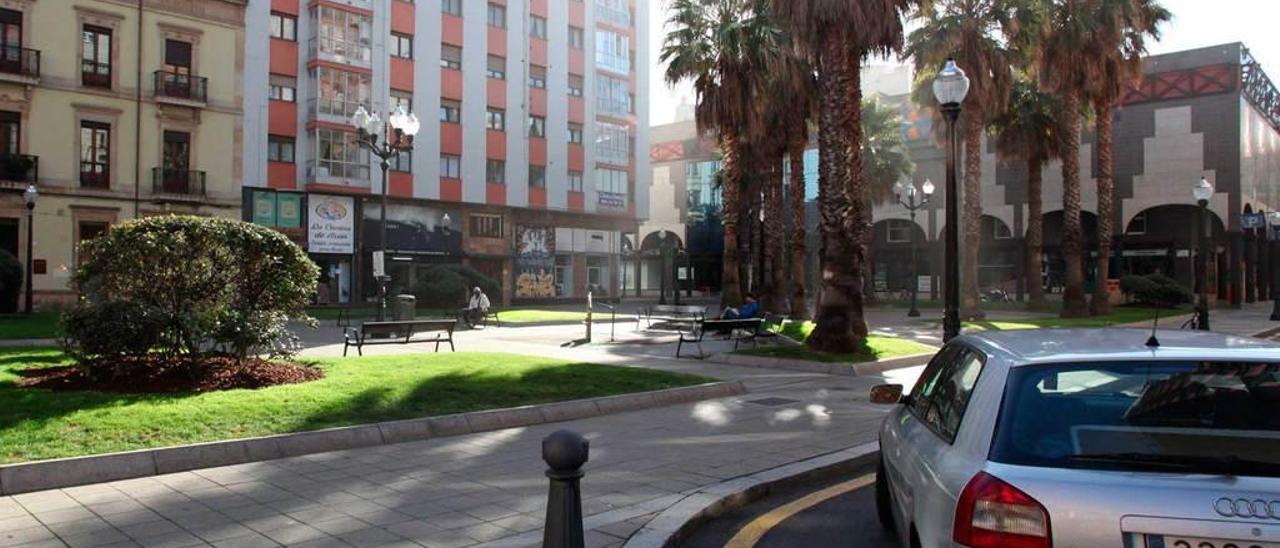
(1152, 341)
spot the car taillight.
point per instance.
(993, 513)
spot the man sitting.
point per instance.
(477, 307)
(749, 310)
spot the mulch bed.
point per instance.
(157, 374)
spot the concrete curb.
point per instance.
(1266, 333)
(57, 473)
(843, 369)
(673, 526)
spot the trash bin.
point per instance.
(402, 307)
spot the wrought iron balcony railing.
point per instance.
(20, 61)
(176, 85)
(177, 181)
(19, 168)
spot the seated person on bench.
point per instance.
(749, 310)
(477, 307)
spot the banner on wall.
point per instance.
(264, 208)
(535, 262)
(288, 210)
(331, 224)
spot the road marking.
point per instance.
(751, 534)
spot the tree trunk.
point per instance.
(1101, 304)
(1073, 299)
(970, 304)
(775, 240)
(840, 325)
(799, 308)
(868, 243)
(1035, 234)
(730, 284)
(755, 242)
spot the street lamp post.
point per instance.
(1202, 192)
(925, 192)
(29, 196)
(396, 135)
(949, 88)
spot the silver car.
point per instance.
(1086, 438)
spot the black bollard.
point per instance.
(565, 452)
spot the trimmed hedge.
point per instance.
(1155, 290)
(449, 286)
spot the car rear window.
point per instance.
(1179, 416)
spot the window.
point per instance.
(898, 231)
(612, 181)
(451, 166)
(497, 67)
(538, 176)
(344, 35)
(1138, 226)
(538, 27)
(537, 126)
(576, 40)
(282, 93)
(451, 7)
(496, 119)
(927, 384)
(613, 95)
(486, 226)
(951, 397)
(450, 111)
(340, 155)
(95, 154)
(497, 16)
(400, 99)
(615, 12)
(575, 85)
(613, 51)
(699, 177)
(280, 149)
(450, 57)
(495, 171)
(340, 92)
(402, 162)
(564, 274)
(401, 45)
(575, 181)
(95, 57)
(612, 143)
(284, 27)
(575, 133)
(537, 76)
(995, 229)
(597, 271)
(10, 136)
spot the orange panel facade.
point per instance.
(495, 93)
(451, 29)
(451, 84)
(537, 151)
(451, 190)
(577, 110)
(577, 61)
(495, 194)
(577, 201)
(451, 139)
(538, 101)
(401, 72)
(497, 41)
(495, 144)
(538, 7)
(538, 51)
(577, 14)
(285, 6)
(538, 197)
(284, 57)
(282, 118)
(576, 158)
(401, 16)
(282, 176)
(400, 183)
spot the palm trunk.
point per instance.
(775, 240)
(1101, 303)
(755, 242)
(799, 309)
(970, 305)
(730, 284)
(840, 327)
(1035, 234)
(1073, 299)
(868, 243)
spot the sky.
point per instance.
(1195, 23)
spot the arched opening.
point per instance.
(665, 262)
(1053, 266)
(893, 241)
(1162, 239)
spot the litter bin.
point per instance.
(402, 307)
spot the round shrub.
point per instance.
(10, 281)
(1155, 290)
(449, 286)
(187, 284)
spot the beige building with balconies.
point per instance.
(115, 109)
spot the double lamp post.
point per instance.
(925, 192)
(396, 135)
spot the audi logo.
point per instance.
(1245, 508)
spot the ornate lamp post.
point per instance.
(29, 196)
(396, 135)
(949, 88)
(901, 189)
(1202, 192)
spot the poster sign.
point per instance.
(412, 229)
(1253, 220)
(264, 208)
(331, 224)
(924, 284)
(288, 210)
(535, 262)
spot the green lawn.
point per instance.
(1120, 315)
(37, 325)
(39, 424)
(878, 347)
(513, 316)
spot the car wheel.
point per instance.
(884, 501)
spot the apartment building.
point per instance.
(114, 109)
(525, 166)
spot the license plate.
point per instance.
(1165, 541)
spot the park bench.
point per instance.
(398, 332)
(669, 313)
(750, 327)
(491, 313)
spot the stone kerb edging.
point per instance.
(673, 526)
(844, 369)
(56, 473)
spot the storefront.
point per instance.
(418, 237)
(331, 244)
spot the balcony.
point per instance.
(177, 182)
(95, 74)
(333, 110)
(343, 52)
(19, 170)
(338, 173)
(18, 64)
(614, 13)
(181, 89)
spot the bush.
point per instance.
(10, 281)
(185, 284)
(1155, 290)
(448, 286)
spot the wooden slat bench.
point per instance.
(491, 313)
(750, 326)
(398, 332)
(670, 313)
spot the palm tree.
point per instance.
(1120, 46)
(722, 46)
(1030, 130)
(885, 162)
(837, 35)
(984, 37)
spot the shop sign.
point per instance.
(331, 224)
(264, 208)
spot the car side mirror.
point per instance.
(886, 393)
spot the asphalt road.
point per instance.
(846, 520)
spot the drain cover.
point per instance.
(773, 401)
